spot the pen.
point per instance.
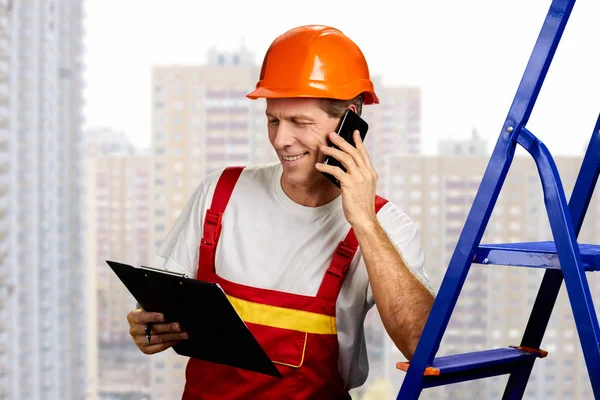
(147, 329)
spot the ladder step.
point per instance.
(481, 364)
(534, 255)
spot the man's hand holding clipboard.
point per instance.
(151, 334)
(193, 317)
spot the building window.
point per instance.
(396, 179)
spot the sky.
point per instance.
(468, 57)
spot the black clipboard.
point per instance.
(216, 331)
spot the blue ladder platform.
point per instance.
(476, 365)
(534, 255)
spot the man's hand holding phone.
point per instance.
(349, 123)
(351, 167)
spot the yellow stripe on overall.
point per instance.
(284, 318)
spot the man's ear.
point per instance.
(353, 108)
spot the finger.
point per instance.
(168, 337)
(362, 150)
(157, 348)
(161, 338)
(348, 148)
(335, 171)
(139, 329)
(142, 317)
(342, 157)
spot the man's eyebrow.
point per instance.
(293, 117)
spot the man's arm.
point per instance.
(402, 300)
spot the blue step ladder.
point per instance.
(562, 257)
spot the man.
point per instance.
(302, 259)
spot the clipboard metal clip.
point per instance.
(164, 271)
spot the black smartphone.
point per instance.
(350, 122)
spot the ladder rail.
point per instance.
(534, 331)
(487, 194)
(586, 180)
(458, 268)
(538, 65)
(566, 221)
(552, 280)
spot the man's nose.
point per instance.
(284, 135)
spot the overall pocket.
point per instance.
(286, 348)
(283, 346)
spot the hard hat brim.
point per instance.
(309, 92)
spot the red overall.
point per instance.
(297, 332)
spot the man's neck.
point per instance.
(314, 194)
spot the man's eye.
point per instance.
(301, 124)
(273, 122)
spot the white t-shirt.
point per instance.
(269, 241)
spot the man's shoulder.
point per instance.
(254, 177)
(261, 172)
(389, 206)
(253, 172)
(392, 216)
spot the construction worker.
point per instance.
(307, 259)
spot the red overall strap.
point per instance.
(212, 219)
(342, 258)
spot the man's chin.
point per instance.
(300, 176)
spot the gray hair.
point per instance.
(335, 108)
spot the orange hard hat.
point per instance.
(314, 61)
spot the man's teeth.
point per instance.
(294, 158)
